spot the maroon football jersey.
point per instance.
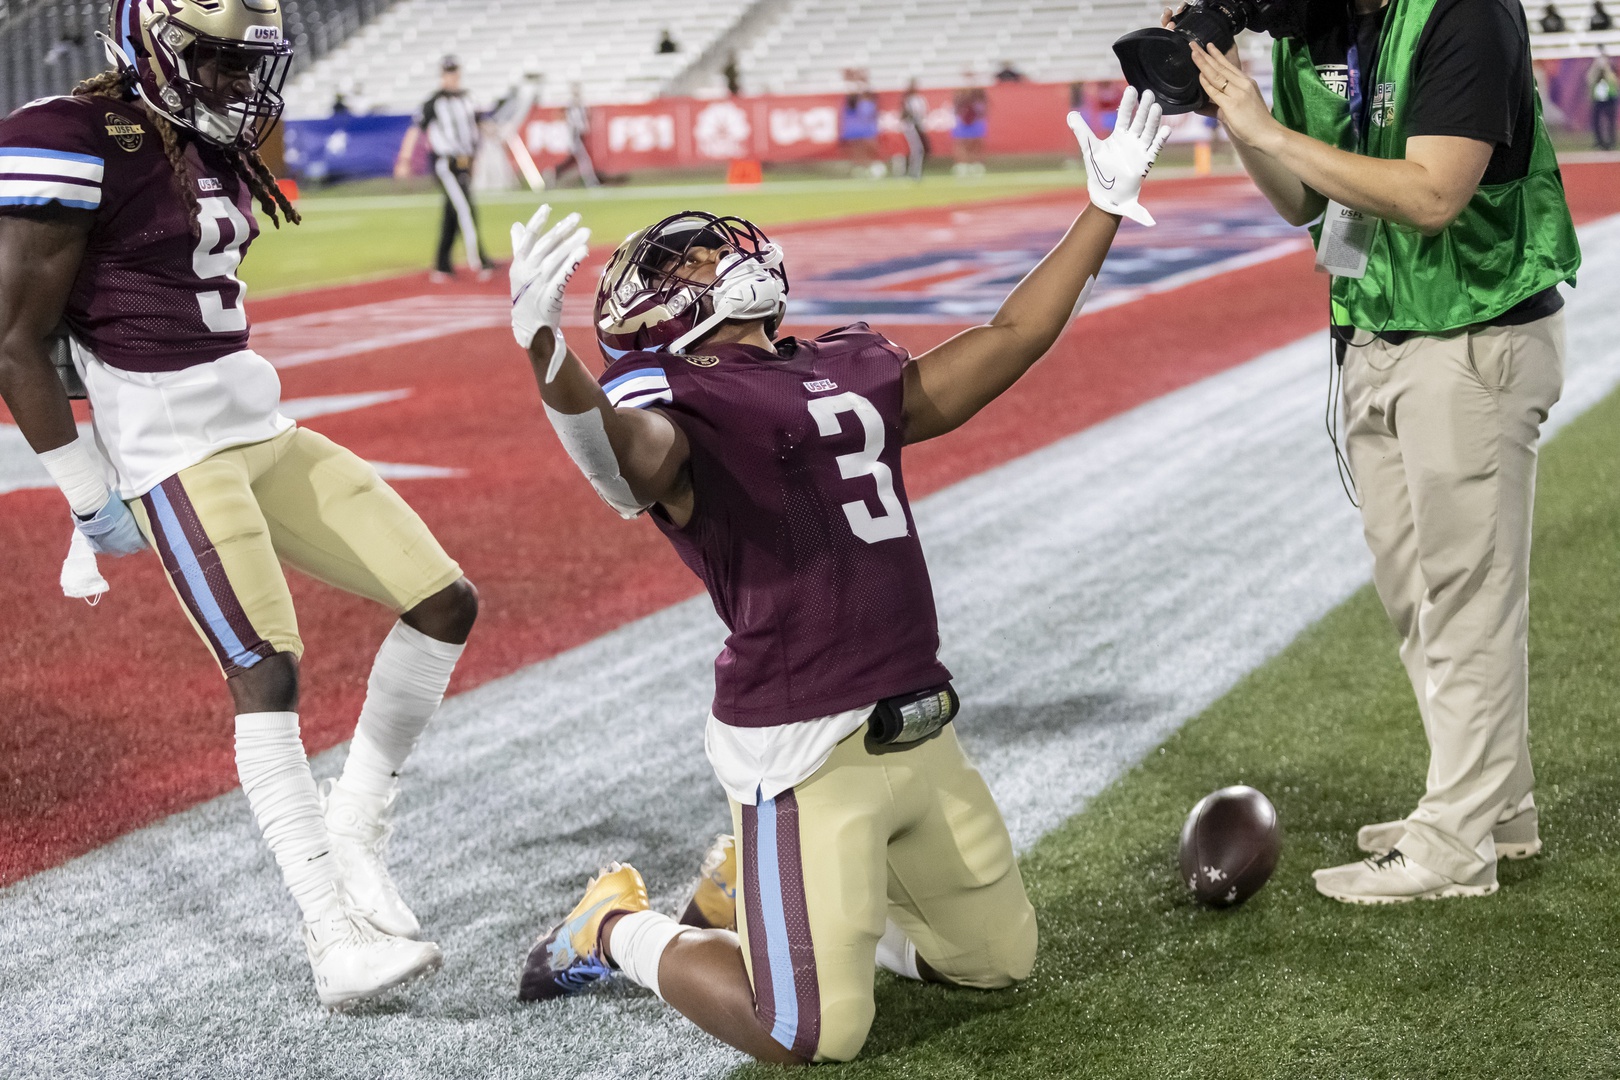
(149, 296)
(801, 530)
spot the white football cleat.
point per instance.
(1392, 878)
(1519, 837)
(359, 826)
(353, 961)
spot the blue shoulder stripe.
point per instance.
(29, 151)
(639, 373)
(41, 200)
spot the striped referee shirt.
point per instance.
(451, 122)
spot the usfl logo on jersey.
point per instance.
(125, 133)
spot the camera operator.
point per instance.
(1412, 128)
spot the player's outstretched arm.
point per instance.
(633, 457)
(951, 382)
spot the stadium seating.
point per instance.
(386, 52)
(811, 43)
(608, 47)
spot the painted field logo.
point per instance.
(703, 361)
(126, 134)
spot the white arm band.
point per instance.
(584, 436)
(76, 473)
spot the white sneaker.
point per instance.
(352, 960)
(1519, 837)
(360, 828)
(1394, 879)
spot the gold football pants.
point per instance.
(909, 834)
(224, 526)
(1442, 435)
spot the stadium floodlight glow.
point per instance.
(1160, 58)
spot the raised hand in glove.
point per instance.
(541, 268)
(1115, 166)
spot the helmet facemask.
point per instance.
(647, 301)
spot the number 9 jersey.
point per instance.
(800, 527)
(156, 314)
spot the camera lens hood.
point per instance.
(1160, 60)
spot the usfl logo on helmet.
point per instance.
(213, 66)
(645, 302)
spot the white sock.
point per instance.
(637, 943)
(407, 683)
(896, 953)
(275, 776)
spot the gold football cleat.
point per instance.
(712, 901)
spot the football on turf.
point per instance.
(1229, 846)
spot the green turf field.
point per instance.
(1134, 981)
(349, 238)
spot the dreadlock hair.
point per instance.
(247, 164)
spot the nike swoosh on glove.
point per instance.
(542, 266)
(112, 531)
(1116, 166)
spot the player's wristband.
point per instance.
(75, 472)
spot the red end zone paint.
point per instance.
(113, 717)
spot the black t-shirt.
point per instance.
(1471, 78)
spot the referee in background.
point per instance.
(452, 125)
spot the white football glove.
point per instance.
(81, 579)
(1115, 167)
(541, 269)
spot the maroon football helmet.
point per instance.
(643, 304)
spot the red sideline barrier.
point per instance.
(1024, 118)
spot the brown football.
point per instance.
(1229, 846)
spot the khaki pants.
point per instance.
(1441, 434)
(224, 526)
(910, 835)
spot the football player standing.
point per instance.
(125, 209)
(773, 467)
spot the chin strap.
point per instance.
(744, 288)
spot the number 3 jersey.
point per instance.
(800, 529)
(156, 317)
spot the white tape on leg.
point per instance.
(585, 438)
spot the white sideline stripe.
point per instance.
(1093, 595)
(346, 332)
(566, 198)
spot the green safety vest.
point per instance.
(1510, 242)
